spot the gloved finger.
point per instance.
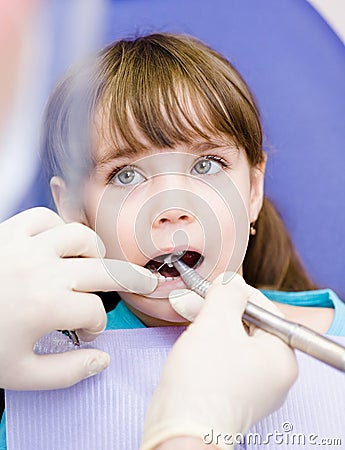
(75, 311)
(226, 278)
(287, 369)
(258, 298)
(225, 302)
(91, 275)
(60, 370)
(87, 335)
(73, 239)
(32, 221)
(186, 303)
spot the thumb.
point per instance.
(55, 371)
(186, 303)
(189, 304)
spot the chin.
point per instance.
(151, 311)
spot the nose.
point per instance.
(173, 217)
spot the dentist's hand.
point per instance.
(217, 376)
(45, 286)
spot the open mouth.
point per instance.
(161, 263)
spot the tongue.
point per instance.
(191, 258)
(167, 271)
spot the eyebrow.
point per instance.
(129, 152)
(118, 153)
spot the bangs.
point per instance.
(162, 90)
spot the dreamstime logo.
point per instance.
(284, 437)
(166, 206)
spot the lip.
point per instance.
(163, 264)
(166, 286)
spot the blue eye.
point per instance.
(127, 177)
(206, 166)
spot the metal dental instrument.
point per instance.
(72, 335)
(293, 334)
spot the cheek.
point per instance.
(232, 209)
(112, 217)
(226, 246)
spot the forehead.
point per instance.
(110, 144)
(152, 100)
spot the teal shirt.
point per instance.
(122, 318)
(322, 298)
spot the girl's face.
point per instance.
(199, 199)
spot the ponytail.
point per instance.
(271, 261)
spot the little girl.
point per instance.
(158, 147)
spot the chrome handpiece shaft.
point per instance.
(293, 334)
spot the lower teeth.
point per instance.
(164, 279)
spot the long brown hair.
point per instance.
(271, 261)
(162, 90)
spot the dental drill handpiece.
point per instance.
(293, 334)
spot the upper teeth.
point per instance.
(172, 256)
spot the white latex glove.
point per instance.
(217, 377)
(46, 287)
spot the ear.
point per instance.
(66, 202)
(257, 174)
